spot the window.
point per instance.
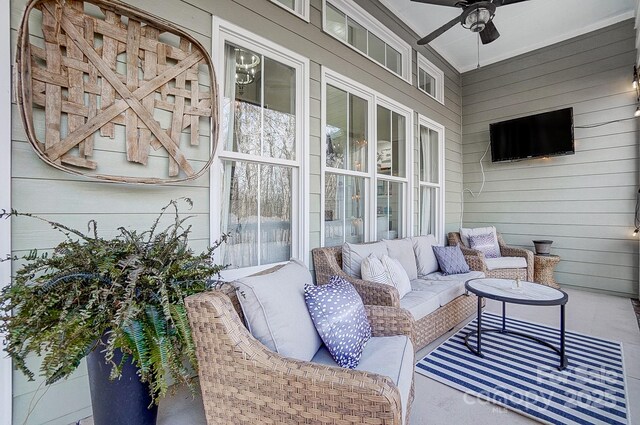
(297, 7)
(431, 178)
(349, 23)
(365, 163)
(258, 171)
(430, 79)
(391, 161)
(347, 120)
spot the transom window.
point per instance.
(430, 178)
(297, 7)
(363, 202)
(430, 79)
(263, 131)
(349, 23)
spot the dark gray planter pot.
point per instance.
(123, 401)
(543, 247)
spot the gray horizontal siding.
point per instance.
(583, 202)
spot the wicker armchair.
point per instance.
(243, 382)
(476, 259)
(327, 262)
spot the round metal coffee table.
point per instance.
(506, 291)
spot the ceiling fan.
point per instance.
(477, 16)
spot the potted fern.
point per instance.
(117, 301)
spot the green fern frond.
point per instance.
(181, 322)
(137, 342)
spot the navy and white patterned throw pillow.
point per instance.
(340, 318)
(485, 243)
(450, 259)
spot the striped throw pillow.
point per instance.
(373, 270)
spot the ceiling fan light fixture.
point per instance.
(477, 20)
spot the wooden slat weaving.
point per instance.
(102, 64)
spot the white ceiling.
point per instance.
(523, 26)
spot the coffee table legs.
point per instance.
(563, 356)
(479, 331)
(564, 362)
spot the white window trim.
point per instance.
(436, 73)
(440, 129)
(6, 370)
(224, 32)
(301, 9)
(362, 17)
(338, 80)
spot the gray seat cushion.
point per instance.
(463, 277)
(390, 356)
(420, 303)
(506, 263)
(445, 290)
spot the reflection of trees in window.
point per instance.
(279, 131)
(259, 213)
(344, 209)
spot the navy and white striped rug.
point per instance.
(522, 375)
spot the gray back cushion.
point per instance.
(402, 250)
(425, 258)
(276, 313)
(354, 253)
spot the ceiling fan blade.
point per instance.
(451, 3)
(489, 33)
(437, 33)
(506, 2)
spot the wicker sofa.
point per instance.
(477, 260)
(243, 382)
(328, 262)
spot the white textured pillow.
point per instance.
(276, 313)
(425, 258)
(354, 253)
(373, 270)
(398, 275)
(465, 232)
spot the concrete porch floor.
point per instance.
(594, 314)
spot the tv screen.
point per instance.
(546, 134)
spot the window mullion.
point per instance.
(344, 208)
(259, 215)
(347, 153)
(262, 105)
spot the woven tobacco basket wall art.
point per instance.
(110, 92)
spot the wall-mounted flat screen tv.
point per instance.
(546, 134)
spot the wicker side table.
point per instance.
(543, 267)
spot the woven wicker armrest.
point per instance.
(509, 251)
(373, 293)
(476, 262)
(471, 252)
(244, 382)
(390, 321)
(325, 263)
